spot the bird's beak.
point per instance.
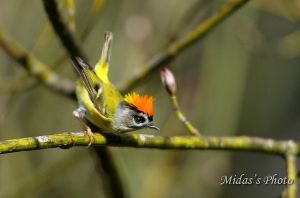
(152, 126)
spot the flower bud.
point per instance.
(168, 80)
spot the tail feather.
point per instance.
(102, 66)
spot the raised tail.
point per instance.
(102, 65)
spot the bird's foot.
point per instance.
(88, 132)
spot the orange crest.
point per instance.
(142, 103)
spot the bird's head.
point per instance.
(134, 112)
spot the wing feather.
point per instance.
(88, 77)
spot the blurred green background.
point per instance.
(243, 78)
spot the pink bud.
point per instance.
(168, 80)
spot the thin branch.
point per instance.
(291, 166)
(184, 42)
(61, 29)
(169, 82)
(114, 186)
(72, 139)
(35, 67)
(70, 5)
(182, 118)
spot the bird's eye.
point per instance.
(139, 119)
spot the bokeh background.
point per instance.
(243, 78)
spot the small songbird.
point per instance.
(101, 102)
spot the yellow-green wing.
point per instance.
(100, 98)
(92, 114)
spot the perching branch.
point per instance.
(73, 139)
(288, 149)
(184, 42)
(35, 67)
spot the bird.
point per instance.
(101, 103)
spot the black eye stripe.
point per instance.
(139, 119)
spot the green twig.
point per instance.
(291, 166)
(184, 42)
(70, 5)
(169, 82)
(72, 139)
(35, 67)
(191, 129)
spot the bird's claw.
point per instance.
(91, 136)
